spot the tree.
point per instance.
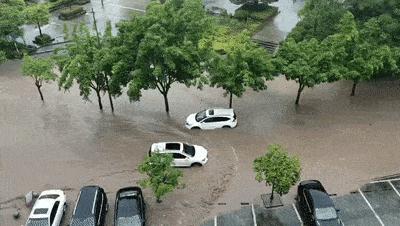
(277, 169)
(40, 69)
(318, 20)
(306, 62)
(37, 14)
(86, 61)
(162, 178)
(165, 46)
(243, 65)
(357, 59)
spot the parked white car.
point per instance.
(212, 119)
(185, 155)
(48, 210)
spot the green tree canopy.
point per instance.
(11, 18)
(318, 20)
(243, 65)
(37, 14)
(277, 169)
(165, 46)
(162, 178)
(307, 62)
(357, 59)
(40, 69)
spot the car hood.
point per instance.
(191, 119)
(201, 153)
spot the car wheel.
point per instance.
(196, 164)
(227, 127)
(65, 207)
(195, 128)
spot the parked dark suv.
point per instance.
(130, 208)
(316, 207)
(91, 207)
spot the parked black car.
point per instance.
(130, 209)
(91, 207)
(316, 207)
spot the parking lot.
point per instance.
(375, 203)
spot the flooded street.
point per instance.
(68, 143)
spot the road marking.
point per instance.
(215, 221)
(369, 205)
(234, 153)
(297, 214)
(379, 181)
(394, 188)
(126, 7)
(254, 215)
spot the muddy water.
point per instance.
(67, 143)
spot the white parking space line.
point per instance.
(372, 209)
(125, 7)
(297, 214)
(254, 215)
(379, 181)
(215, 221)
(394, 188)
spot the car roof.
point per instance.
(85, 202)
(221, 112)
(44, 203)
(127, 201)
(320, 199)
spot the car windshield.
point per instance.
(189, 149)
(201, 115)
(38, 222)
(49, 196)
(325, 213)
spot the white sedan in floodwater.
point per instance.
(48, 210)
(185, 155)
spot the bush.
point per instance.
(70, 13)
(43, 39)
(8, 47)
(260, 12)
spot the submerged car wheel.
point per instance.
(227, 127)
(196, 164)
(195, 128)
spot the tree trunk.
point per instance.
(40, 91)
(166, 102)
(230, 99)
(272, 193)
(99, 99)
(40, 30)
(353, 90)
(301, 87)
(109, 95)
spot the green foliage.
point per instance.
(43, 39)
(162, 178)
(277, 169)
(307, 62)
(357, 59)
(11, 18)
(37, 14)
(72, 12)
(2, 57)
(243, 65)
(40, 69)
(258, 12)
(318, 20)
(164, 46)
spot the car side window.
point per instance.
(54, 212)
(178, 156)
(209, 120)
(221, 119)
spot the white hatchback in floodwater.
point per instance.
(185, 155)
(212, 119)
(48, 210)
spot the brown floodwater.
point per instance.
(67, 143)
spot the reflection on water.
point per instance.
(222, 4)
(279, 27)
